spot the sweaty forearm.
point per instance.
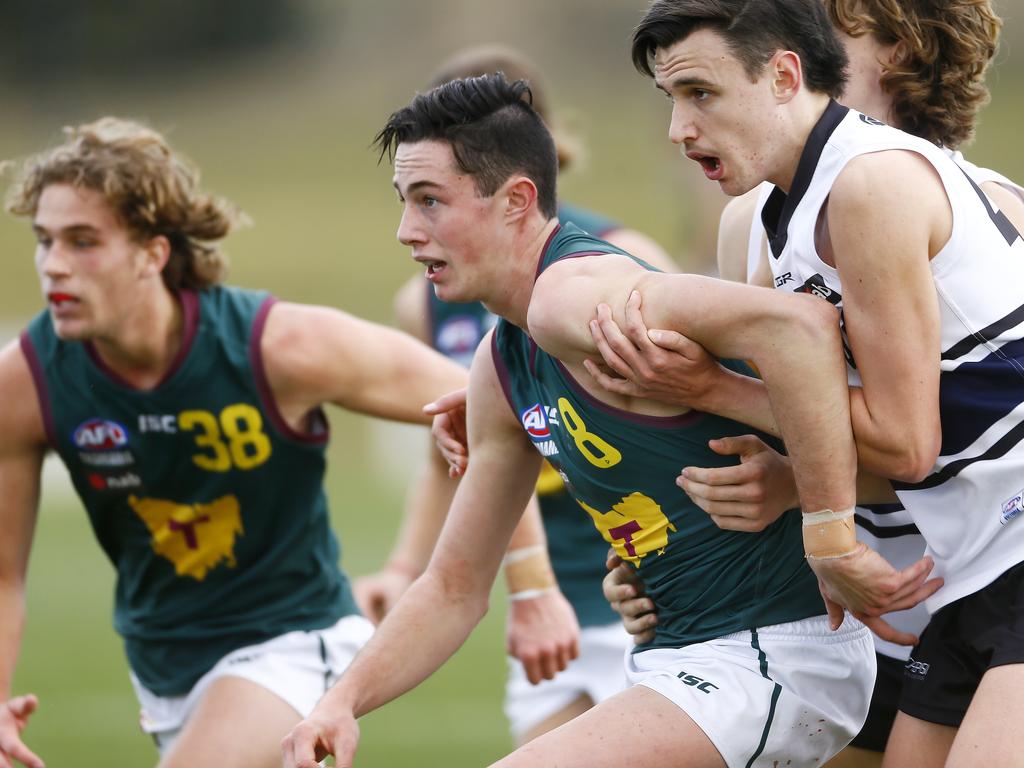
(428, 625)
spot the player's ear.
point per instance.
(156, 251)
(520, 195)
(786, 74)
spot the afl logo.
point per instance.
(99, 435)
(459, 336)
(535, 422)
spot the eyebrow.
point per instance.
(685, 82)
(71, 229)
(415, 186)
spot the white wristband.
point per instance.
(530, 594)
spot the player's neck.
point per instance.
(511, 296)
(804, 114)
(147, 341)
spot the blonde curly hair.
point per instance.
(152, 190)
(937, 75)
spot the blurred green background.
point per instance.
(277, 101)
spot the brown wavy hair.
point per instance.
(937, 75)
(153, 191)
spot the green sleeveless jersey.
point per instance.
(577, 556)
(621, 469)
(209, 506)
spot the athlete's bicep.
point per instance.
(316, 354)
(882, 237)
(497, 485)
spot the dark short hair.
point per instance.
(492, 130)
(754, 30)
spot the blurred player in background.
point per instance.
(189, 415)
(577, 555)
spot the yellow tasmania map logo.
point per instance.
(195, 537)
(635, 526)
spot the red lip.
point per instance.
(57, 297)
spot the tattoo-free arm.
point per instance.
(22, 445)
(437, 613)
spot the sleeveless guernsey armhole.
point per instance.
(544, 251)
(266, 394)
(42, 393)
(503, 375)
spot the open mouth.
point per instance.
(433, 267)
(710, 164)
(58, 299)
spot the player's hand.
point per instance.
(623, 588)
(14, 715)
(377, 593)
(319, 735)
(543, 633)
(868, 586)
(748, 496)
(449, 430)
(658, 365)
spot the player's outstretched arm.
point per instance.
(436, 614)
(22, 445)
(314, 355)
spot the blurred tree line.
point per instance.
(44, 41)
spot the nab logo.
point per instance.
(535, 422)
(99, 435)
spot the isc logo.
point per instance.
(99, 435)
(699, 683)
(535, 421)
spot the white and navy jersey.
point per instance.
(967, 508)
(886, 528)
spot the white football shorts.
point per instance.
(297, 666)
(789, 694)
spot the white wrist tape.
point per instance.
(528, 569)
(826, 516)
(530, 594)
(514, 556)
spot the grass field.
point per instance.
(290, 146)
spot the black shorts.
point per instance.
(884, 698)
(961, 642)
